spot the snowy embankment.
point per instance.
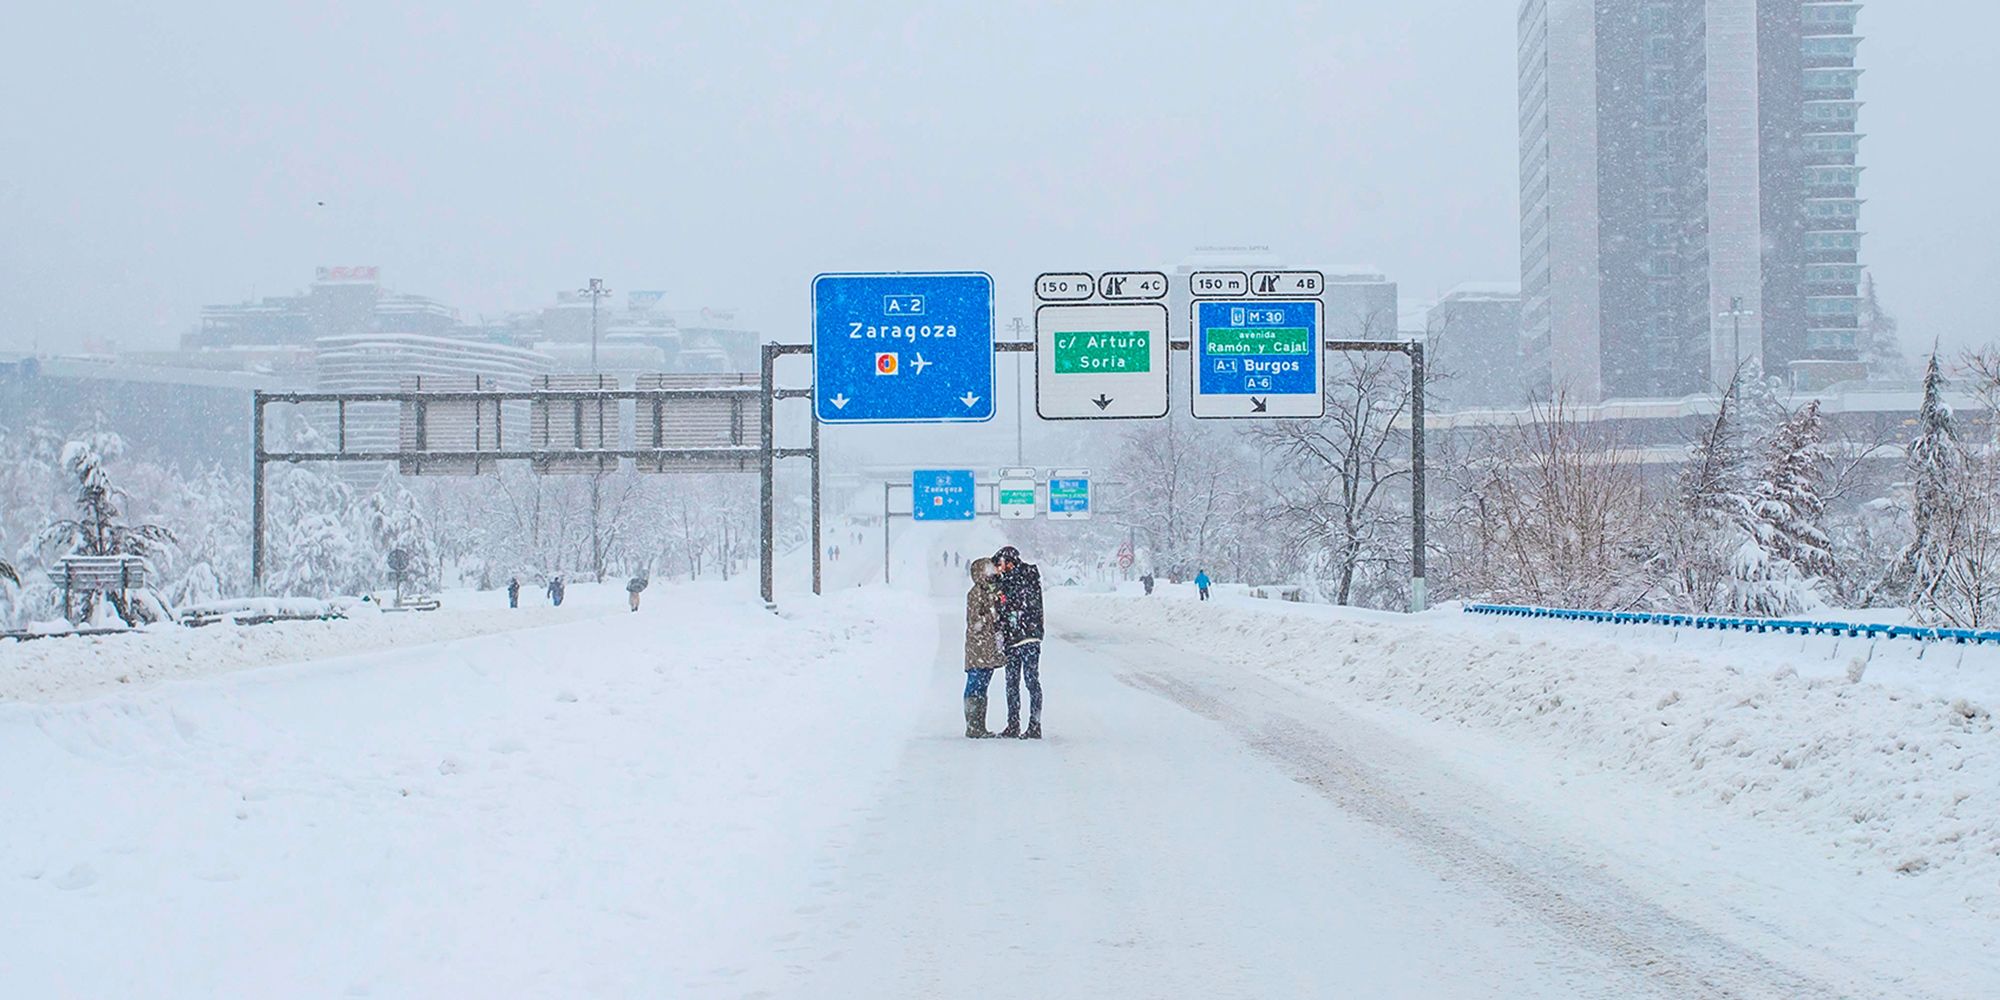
(622, 806)
(72, 666)
(1883, 753)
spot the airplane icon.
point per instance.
(919, 365)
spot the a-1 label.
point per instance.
(1218, 284)
(1118, 286)
(1068, 286)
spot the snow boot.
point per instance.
(1034, 730)
(1013, 730)
(975, 719)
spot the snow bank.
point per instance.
(77, 666)
(621, 806)
(1888, 759)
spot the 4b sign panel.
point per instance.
(1258, 358)
(1101, 361)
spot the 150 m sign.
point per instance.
(1101, 361)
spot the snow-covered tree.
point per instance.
(1344, 473)
(100, 527)
(1791, 502)
(1556, 513)
(1714, 555)
(1881, 345)
(1936, 464)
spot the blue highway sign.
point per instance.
(941, 495)
(1257, 358)
(1069, 494)
(903, 348)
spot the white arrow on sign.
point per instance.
(968, 399)
(839, 401)
(920, 364)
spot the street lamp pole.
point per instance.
(596, 290)
(1019, 451)
(1736, 312)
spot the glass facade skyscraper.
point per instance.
(1689, 191)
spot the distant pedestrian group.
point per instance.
(1003, 629)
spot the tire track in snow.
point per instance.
(1579, 904)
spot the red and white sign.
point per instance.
(367, 273)
(1125, 556)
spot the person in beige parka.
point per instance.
(982, 644)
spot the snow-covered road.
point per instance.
(1188, 831)
(706, 800)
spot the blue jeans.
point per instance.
(1024, 659)
(976, 681)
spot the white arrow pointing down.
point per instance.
(839, 401)
(968, 399)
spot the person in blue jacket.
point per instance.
(1201, 583)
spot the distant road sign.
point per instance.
(1016, 501)
(1131, 285)
(941, 495)
(1287, 284)
(1069, 494)
(903, 348)
(1125, 556)
(1204, 284)
(1065, 286)
(1257, 358)
(1101, 361)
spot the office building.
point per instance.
(1689, 191)
(1473, 347)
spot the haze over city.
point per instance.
(490, 155)
(1430, 499)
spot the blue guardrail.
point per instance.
(1786, 625)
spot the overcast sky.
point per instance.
(161, 156)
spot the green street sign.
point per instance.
(1085, 351)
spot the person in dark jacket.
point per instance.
(633, 588)
(556, 591)
(1021, 637)
(514, 592)
(982, 645)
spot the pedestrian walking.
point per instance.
(1146, 581)
(514, 592)
(1021, 637)
(983, 654)
(1201, 583)
(556, 591)
(633, 588)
